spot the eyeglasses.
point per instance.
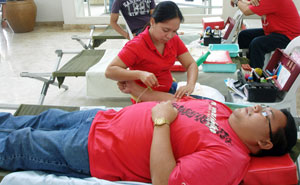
(266, 114)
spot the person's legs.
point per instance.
(173, 88)
(265, 44)
(111, 2)
(55, 141)
(53, 119)
(246, 36)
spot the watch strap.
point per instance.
(161, 121)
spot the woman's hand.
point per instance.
(184, 90)
(164, 110)
(149, 79)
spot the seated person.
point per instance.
(136, 13)
(185, 142)
(281, 23)
(151, 54)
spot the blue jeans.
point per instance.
(111, 2)
(54, 141)
(259, 44)
(173, 88)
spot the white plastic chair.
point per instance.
(289, 99)
(292, 45)
(288, 50)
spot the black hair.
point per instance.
(283, 139)
(166, 10)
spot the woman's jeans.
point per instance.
(259, 44)
(54, 141)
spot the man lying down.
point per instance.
(187, 141)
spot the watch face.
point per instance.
(160, 121)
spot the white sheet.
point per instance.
(41, 178)
(97, 84)
(205, 91)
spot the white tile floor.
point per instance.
(35, 52)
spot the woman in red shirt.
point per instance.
(151, 54)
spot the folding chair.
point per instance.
(109, 33)
(77, 66)
(94, 41)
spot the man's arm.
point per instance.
(162, 160)
(114, 24)
(243, 5)
(144, 94)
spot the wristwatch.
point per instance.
(161, 121)
(235, 2)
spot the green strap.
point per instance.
(79, 64)
(109, 33)
(28, 109)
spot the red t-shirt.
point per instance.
(206, 149)
(141, 54)
(278, 16)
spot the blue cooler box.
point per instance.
(233, 49)
(219, 68)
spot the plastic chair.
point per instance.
(289, 98)
(288, 50)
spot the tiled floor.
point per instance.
(34, 52)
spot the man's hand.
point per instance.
(129, 87)
(124, 87)
(164, 110)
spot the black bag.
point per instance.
(257, 91)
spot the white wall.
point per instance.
(49, 11)
(228, 10)
(64, 10)
(69, 14)
(79, 9)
